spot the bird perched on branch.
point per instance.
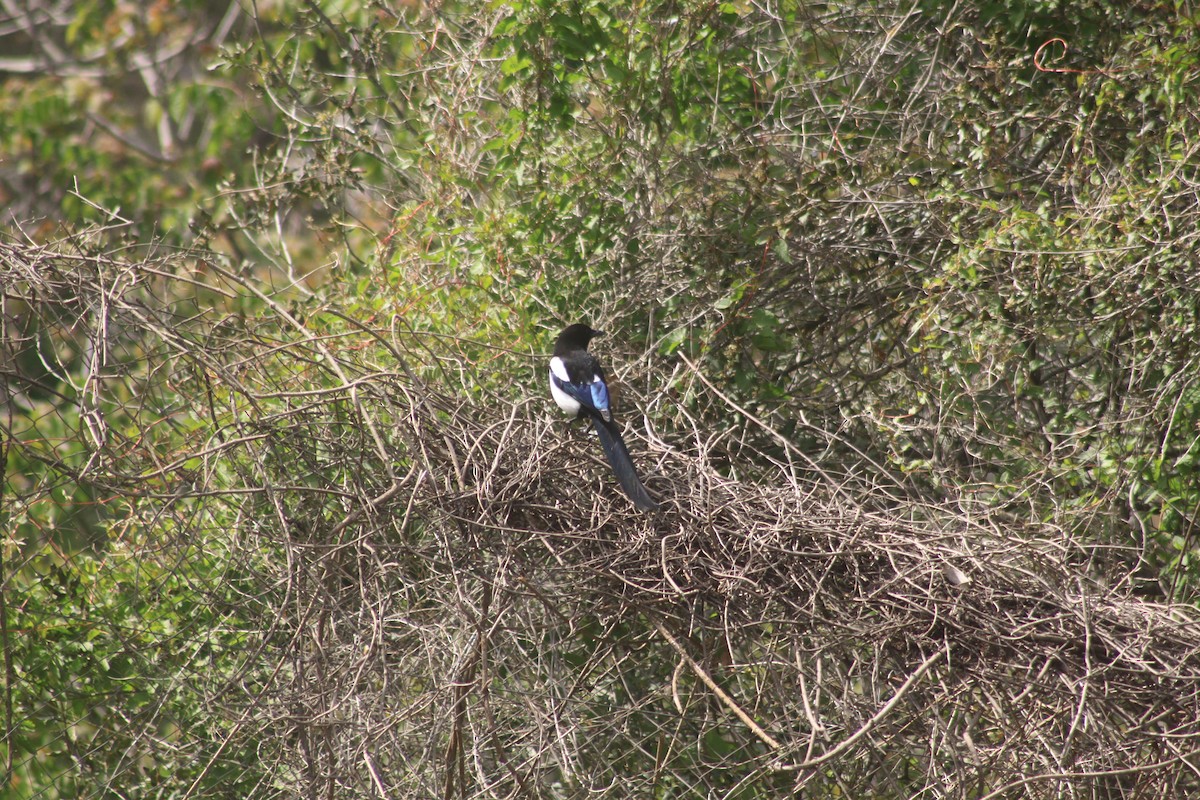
(577, 385)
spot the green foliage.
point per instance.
(128, 128)
(128, 607)
(981, 283)
(90, 628)
(944, 255)
(1059, 328)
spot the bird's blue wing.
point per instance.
(592, 395)
(599, 392)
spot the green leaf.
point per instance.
(515, 63)
(673, 340)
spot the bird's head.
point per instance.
(576, 336)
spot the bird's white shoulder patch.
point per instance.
(565, 401)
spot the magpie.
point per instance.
(577, 385)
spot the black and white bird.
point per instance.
(577, 385)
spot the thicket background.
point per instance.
(903, 301)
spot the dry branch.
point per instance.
(444, 613)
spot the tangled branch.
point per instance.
(447, 597)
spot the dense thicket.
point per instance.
(903, 301)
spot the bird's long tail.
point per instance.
(622, 464)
